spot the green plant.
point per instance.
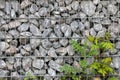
(112, 78)
(93, 46)
(29, 76)
(102, 67)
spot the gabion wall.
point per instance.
(35, 34)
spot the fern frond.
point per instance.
(106, 45)
(76, 46)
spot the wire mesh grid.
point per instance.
(17, 58)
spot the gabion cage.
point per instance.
(35, 34)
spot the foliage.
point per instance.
(29, 76)
(112, 78)
(93, 46)
(102, 67)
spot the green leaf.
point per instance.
(83, 63)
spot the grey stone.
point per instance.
(12, 50)
(42, 52)
(52, 52)
(96, 2)
(46, 32)
(23, 27)
(15, 5)
(24, 52)
(53, 37)
(26, 63)
(23, 18)
(54, 65)
(33, 8)
(9, 66)
(46, 43)
(3, 46)
(115, 28)
(98, 27)
(117, 45)
(75, 5)
(11, 60)
(14, 24)
(47, 23)
(38, 63)
(43, 11)
(3, 73)
(112, 9)
(64, 42)
(68, 1)
(114, 51)
(70, 50)
(14, 33)
(27, 47)
(74, 25)
(25, 34)
(57, 31)
(39, 72)
(17, 64)
(34, 21)
(101, 33)
(34, 30)
(7, 7)
(88, 7)
(61, 51)
(81, 26)
(34, 42)
(5, 27)
(25, 4)
(2, 64)
(116, 62)
(2, 4)
(15, 75)
(56, 45)
(51, 72)
(13, 15)
(92, 32)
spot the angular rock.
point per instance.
(34, 42)
(92, 32)
(38, 64)
(23, 18)
(116, 62)
(61, 51)
(88, 7)
(74, 25)
(43, 11)
(17, 64)
(25, 4)
(51, 72)
(98, 27)
(14, 24)
(52, 64)
(26, 63)
(46, 43)
(2, 64)
(118, 45)
(112, 9)
(57, 31)
(3, 73)
(39, 72)
(70, 50)
(75, 5)
(42, 52)
(64, 42)
(52, 52)
(14, 33)
(12, 50)
(46, 32)
(33, 8)
(7, 7)
(34, 30)
(27, 47)
(23, 27)
(3, 46)
(2, 4)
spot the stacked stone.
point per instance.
(43, 28)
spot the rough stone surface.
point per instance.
(38, 64)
